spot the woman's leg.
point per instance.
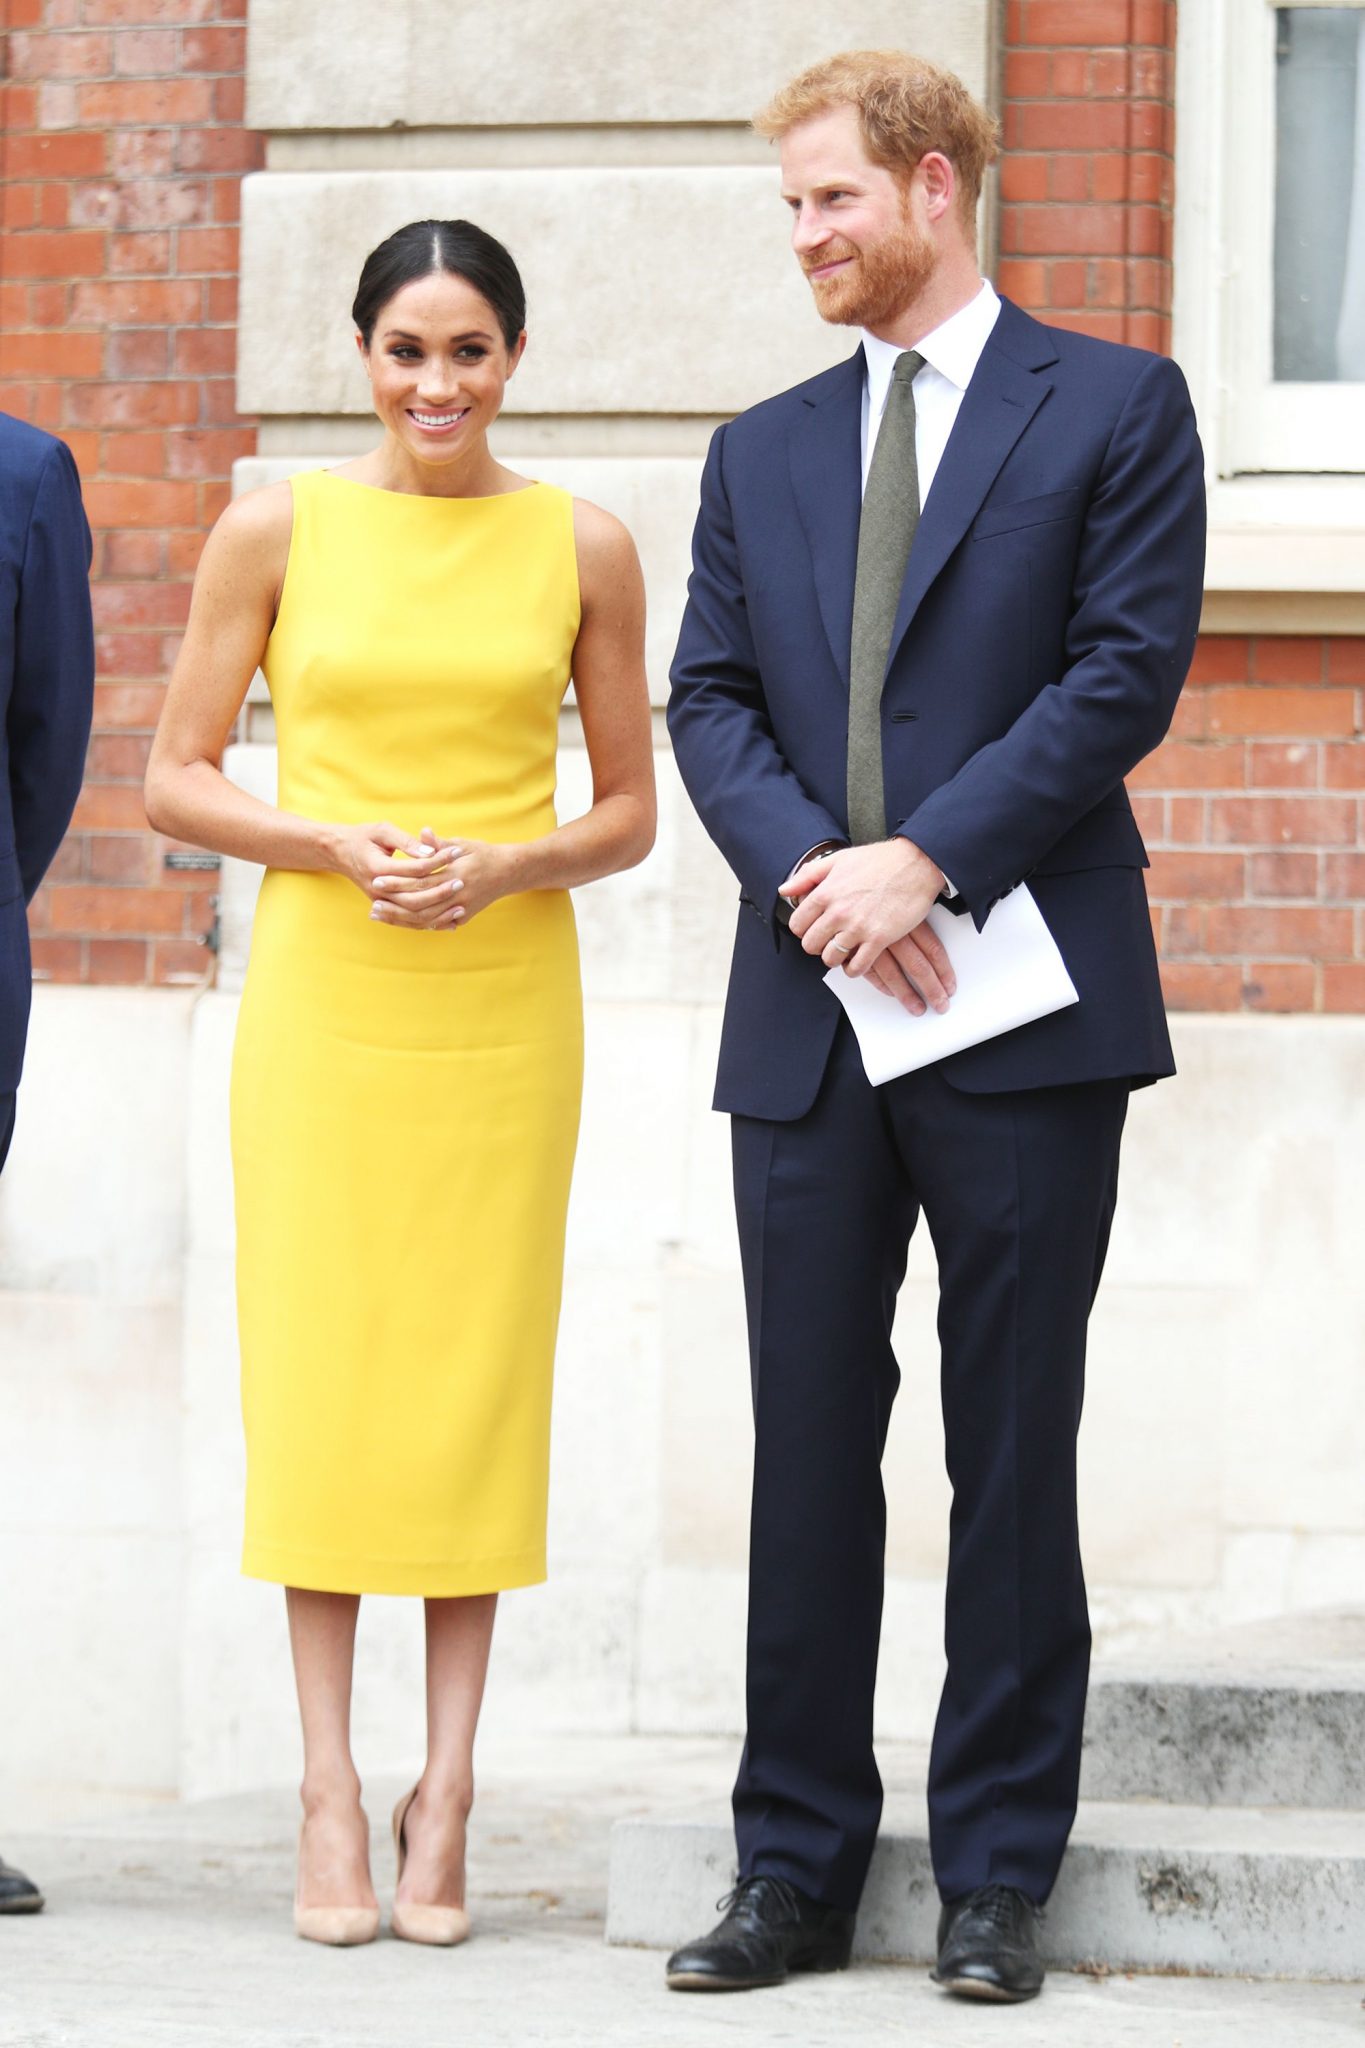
(334, 1851)
(459, 1633)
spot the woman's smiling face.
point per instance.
(438, 367)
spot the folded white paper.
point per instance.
(1007, 974)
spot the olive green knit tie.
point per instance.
(889, 517)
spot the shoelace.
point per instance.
(998, 1903)
(743, 1894)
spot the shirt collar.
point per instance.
(953, 348)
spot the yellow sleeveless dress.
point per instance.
(405, 1104)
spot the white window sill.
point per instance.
(1286, 555)
(1300, 533)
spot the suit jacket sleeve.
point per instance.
(1137, 594)
(48, 722)
(747, 796)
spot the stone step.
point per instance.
(1272, 1714)
(1211, 1890)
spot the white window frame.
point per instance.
(1224, 279)
(1287, 546)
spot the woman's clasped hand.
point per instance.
(424, 884)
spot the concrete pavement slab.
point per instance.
(171, 1929)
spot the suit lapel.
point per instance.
(825, 454)
(1005, 392)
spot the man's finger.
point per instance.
(891, 976)
(919, 971)
(807, 878)
(882, 981)
(804, 916)
(823, 930)
(934, 950)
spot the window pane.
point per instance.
(1320, 194)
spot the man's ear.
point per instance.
(938, 182)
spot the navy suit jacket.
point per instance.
(47, 679)
(1045, 628)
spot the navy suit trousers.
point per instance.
(1017, 1191)
(6, 1123)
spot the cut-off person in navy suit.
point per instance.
(1049, 489)
(47, 678)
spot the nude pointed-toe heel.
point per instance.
(335, 1926)
(436, 1926)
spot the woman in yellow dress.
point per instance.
(406, 1079)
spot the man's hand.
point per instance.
(864, 909)
(916, 967)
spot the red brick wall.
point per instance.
(1253, 813)
(1088, 178)
(1253, 808)
(122, 156)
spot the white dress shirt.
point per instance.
(951, 353)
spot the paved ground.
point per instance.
(171, 1929)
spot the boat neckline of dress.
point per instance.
(432, 497)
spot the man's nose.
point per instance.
(808, 230)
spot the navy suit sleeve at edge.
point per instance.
(48, 722)
(747, 796)
(1138, 591)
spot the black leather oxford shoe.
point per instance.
(769, 1930)
(988, 1945)
(18, 1894)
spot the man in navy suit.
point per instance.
(944, 598)
(47, 680)
(47, 677)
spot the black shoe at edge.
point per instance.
(988, 1945)
(770, 1929)
(18, 1894)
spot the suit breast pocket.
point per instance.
(1022, 512)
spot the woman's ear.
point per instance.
(516, 352)
(364, 352)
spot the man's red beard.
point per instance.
(875, 284)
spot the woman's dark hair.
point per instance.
(425, 248)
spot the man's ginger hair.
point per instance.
(906, 106)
